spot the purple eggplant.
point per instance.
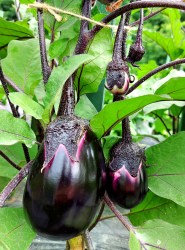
(126, 182)
(66, 182)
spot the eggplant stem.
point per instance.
(67, 101)
(46, 71)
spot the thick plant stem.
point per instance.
(117, 53)
(155, 71)
(9, 160)
(67, 101)
(140, 27)
(13, 109)
(126, 133)
(14, 183)
(127, 20)
(84, 29)
(46, 71)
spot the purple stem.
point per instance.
(46, 71)
(14, 183)
(120, 217)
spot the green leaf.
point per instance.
(158, 234)
(27, 104)
(163, 105)
(15, 233)
(26, 1)
(11, 31)
(166, 172)
(155, 207)
(23, 65)
(113, 113)
(3, 182)
(166, 43)
(57, 79)
(13, 130)
(93, 72)
(134, 244)
(84, 108)
(173, 85)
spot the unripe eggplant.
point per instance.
(136, 53)
(65, 186)
(126, 181)
(117, 78)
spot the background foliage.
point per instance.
(156, 110)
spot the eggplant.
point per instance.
(117, 77)
(66, 183)
(126, 179)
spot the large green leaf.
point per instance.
(15, 233)
(173, 85)
(13, 130)
(27, 104)
(155, 207)
(11, 31)
(157, 234)
(84, 108)
(176, 26)
(23, 65)
(166, 43)
(58, 78)
(92, 73)
(166, 171)
(113, 113)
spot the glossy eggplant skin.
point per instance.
(126, 180)
(63, 191)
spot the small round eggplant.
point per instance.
(126, 181)
(65, 185)
(117, 78)
(136, 53)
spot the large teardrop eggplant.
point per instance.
(65, 185)
(126, 182)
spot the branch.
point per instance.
(147, 17)
(155, 71)
(12, 84)
(160, 118)
(124, 221)
(14, 183)
(4, 84)
(46, 71)
(134, 6)
(9, 160)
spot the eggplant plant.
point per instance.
(91, 122)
